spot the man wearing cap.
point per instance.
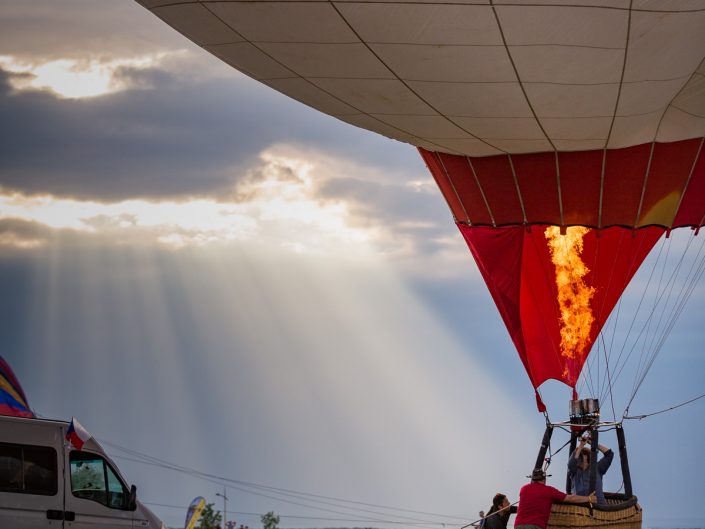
(536, 498)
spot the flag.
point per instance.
(194, 512)
(77, 435)
(12, 399)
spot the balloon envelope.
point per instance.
(473, 78)
(12, 398)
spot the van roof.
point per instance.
(37, 420)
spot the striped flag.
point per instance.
(12, 399)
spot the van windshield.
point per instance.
(92, 478)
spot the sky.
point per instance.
(206, 272)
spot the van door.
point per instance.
(95, 494)
(31, 462)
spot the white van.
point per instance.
(44, 482)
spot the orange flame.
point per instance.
(573, 294)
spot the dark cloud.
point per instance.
(20, 235)
(167, 137)
(191, 127)
(188, 128)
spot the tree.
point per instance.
(270, 520)
(210, 519)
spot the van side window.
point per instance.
(28, 469)
(92, 478)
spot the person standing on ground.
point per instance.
(536, 498)
(499, 513)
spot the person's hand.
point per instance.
(592, 498)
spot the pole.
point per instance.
(573, 445)
(624, 462)
(594, 443)
(544, 446)
(225, 506)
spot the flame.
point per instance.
(574, 295)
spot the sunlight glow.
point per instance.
(275, 204)
(73, 79)
(425, 185)
(344, 363)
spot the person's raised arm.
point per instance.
(575, 456)
(606, 460)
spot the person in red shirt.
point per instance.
(536, 498)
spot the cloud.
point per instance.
(181, 127)
(292, 200)
(72, 79)
(45, 30)
(172, 120)
(21, 234)
(165, 137)
(275, 204)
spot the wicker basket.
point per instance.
(620, 513)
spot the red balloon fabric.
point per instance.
(517, 266)
(558, 236)
(656, 184)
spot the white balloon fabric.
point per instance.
(473, 77)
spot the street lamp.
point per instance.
(225, 506)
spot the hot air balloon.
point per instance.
(565, 136)
(12, 398)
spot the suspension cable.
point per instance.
(631, 325)
(645, 415)
(660, 290)
(609, 377)
(690, 282)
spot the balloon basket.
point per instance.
(619, 513)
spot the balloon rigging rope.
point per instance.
(661, 309)
(642, 302)
(606, 351)
(608, 376)
(660, 291)
(683, 297)
(595, 266)
(617, 367)
(590, 383)
(658, 324)
(645, 415)
(691, 280)
(676, 310)
(602, 307)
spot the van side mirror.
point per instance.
(132, 505)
